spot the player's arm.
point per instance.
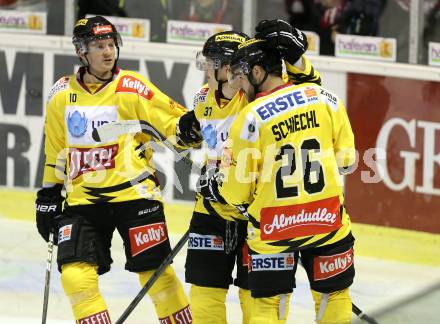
(170, 118)
(240, 159)
(302, 71)
(343, 138)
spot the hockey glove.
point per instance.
(48, 207)
(207, 186)
(188, 130)
(290, 42)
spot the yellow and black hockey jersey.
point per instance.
(216, 116)
(118, 170)
(283, 160)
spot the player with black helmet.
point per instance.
(298, 140)
(111, 185)
(218, 231)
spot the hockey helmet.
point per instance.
(218, 49)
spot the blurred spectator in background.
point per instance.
(329, 17)
(113, 8)
(211, 11)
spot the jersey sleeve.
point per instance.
(158, 109)
(240, 159)
(302, 72)
(343, 138)
(54, 143)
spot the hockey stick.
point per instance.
(165, 263)
(47, 278)
(108, 132)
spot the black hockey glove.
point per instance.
(48, 207)
(188, 130)
(207, 186)
(290, 42)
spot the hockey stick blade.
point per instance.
(362, 315)
(109, 132)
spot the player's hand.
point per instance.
(208, 184)
(290, 42)
(188, 130)
(48, 207)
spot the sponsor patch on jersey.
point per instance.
(205, 242)
(101, 318)
(285, 222)
(60, 85)
(311, 94)
(183, 316)
(250, 129)
(325, 267)
(330, 99)
(145, 237)
(277, 105)
(272, 262)
(64, 233)
(80, 122)
(227, 159)
(209, 135)
(200, 96)
(82, 160)
(129, 84)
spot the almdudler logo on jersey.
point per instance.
(329, 266)
(130, 84)
(284, 222)
(205, 242)
(83, 160)
(145, 237)
(277, 262)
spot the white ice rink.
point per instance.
(394, 292)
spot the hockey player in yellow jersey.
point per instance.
(281, 167)
(109, 185)
(218, 231)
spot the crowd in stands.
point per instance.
(324, 17)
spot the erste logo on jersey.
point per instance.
(83, 160)
(273, 262)
(130, 84)
(205, 242)
(145, 237)
(285, 222)
(325, 267)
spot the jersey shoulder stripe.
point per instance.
(61, 85)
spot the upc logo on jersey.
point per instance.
(284, 222)
(205, 242)
(145, 237)
(210, 136)
(274, 262)
(64, 233)
(77, 124)
(132, 85)
(91, 159)
(329, 266)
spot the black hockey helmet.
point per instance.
(89, 29)
(219, 48)
(254, 52)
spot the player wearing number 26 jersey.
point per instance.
(282, 167)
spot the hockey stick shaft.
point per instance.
(165, 263)
(47, 278)
(362, 315)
